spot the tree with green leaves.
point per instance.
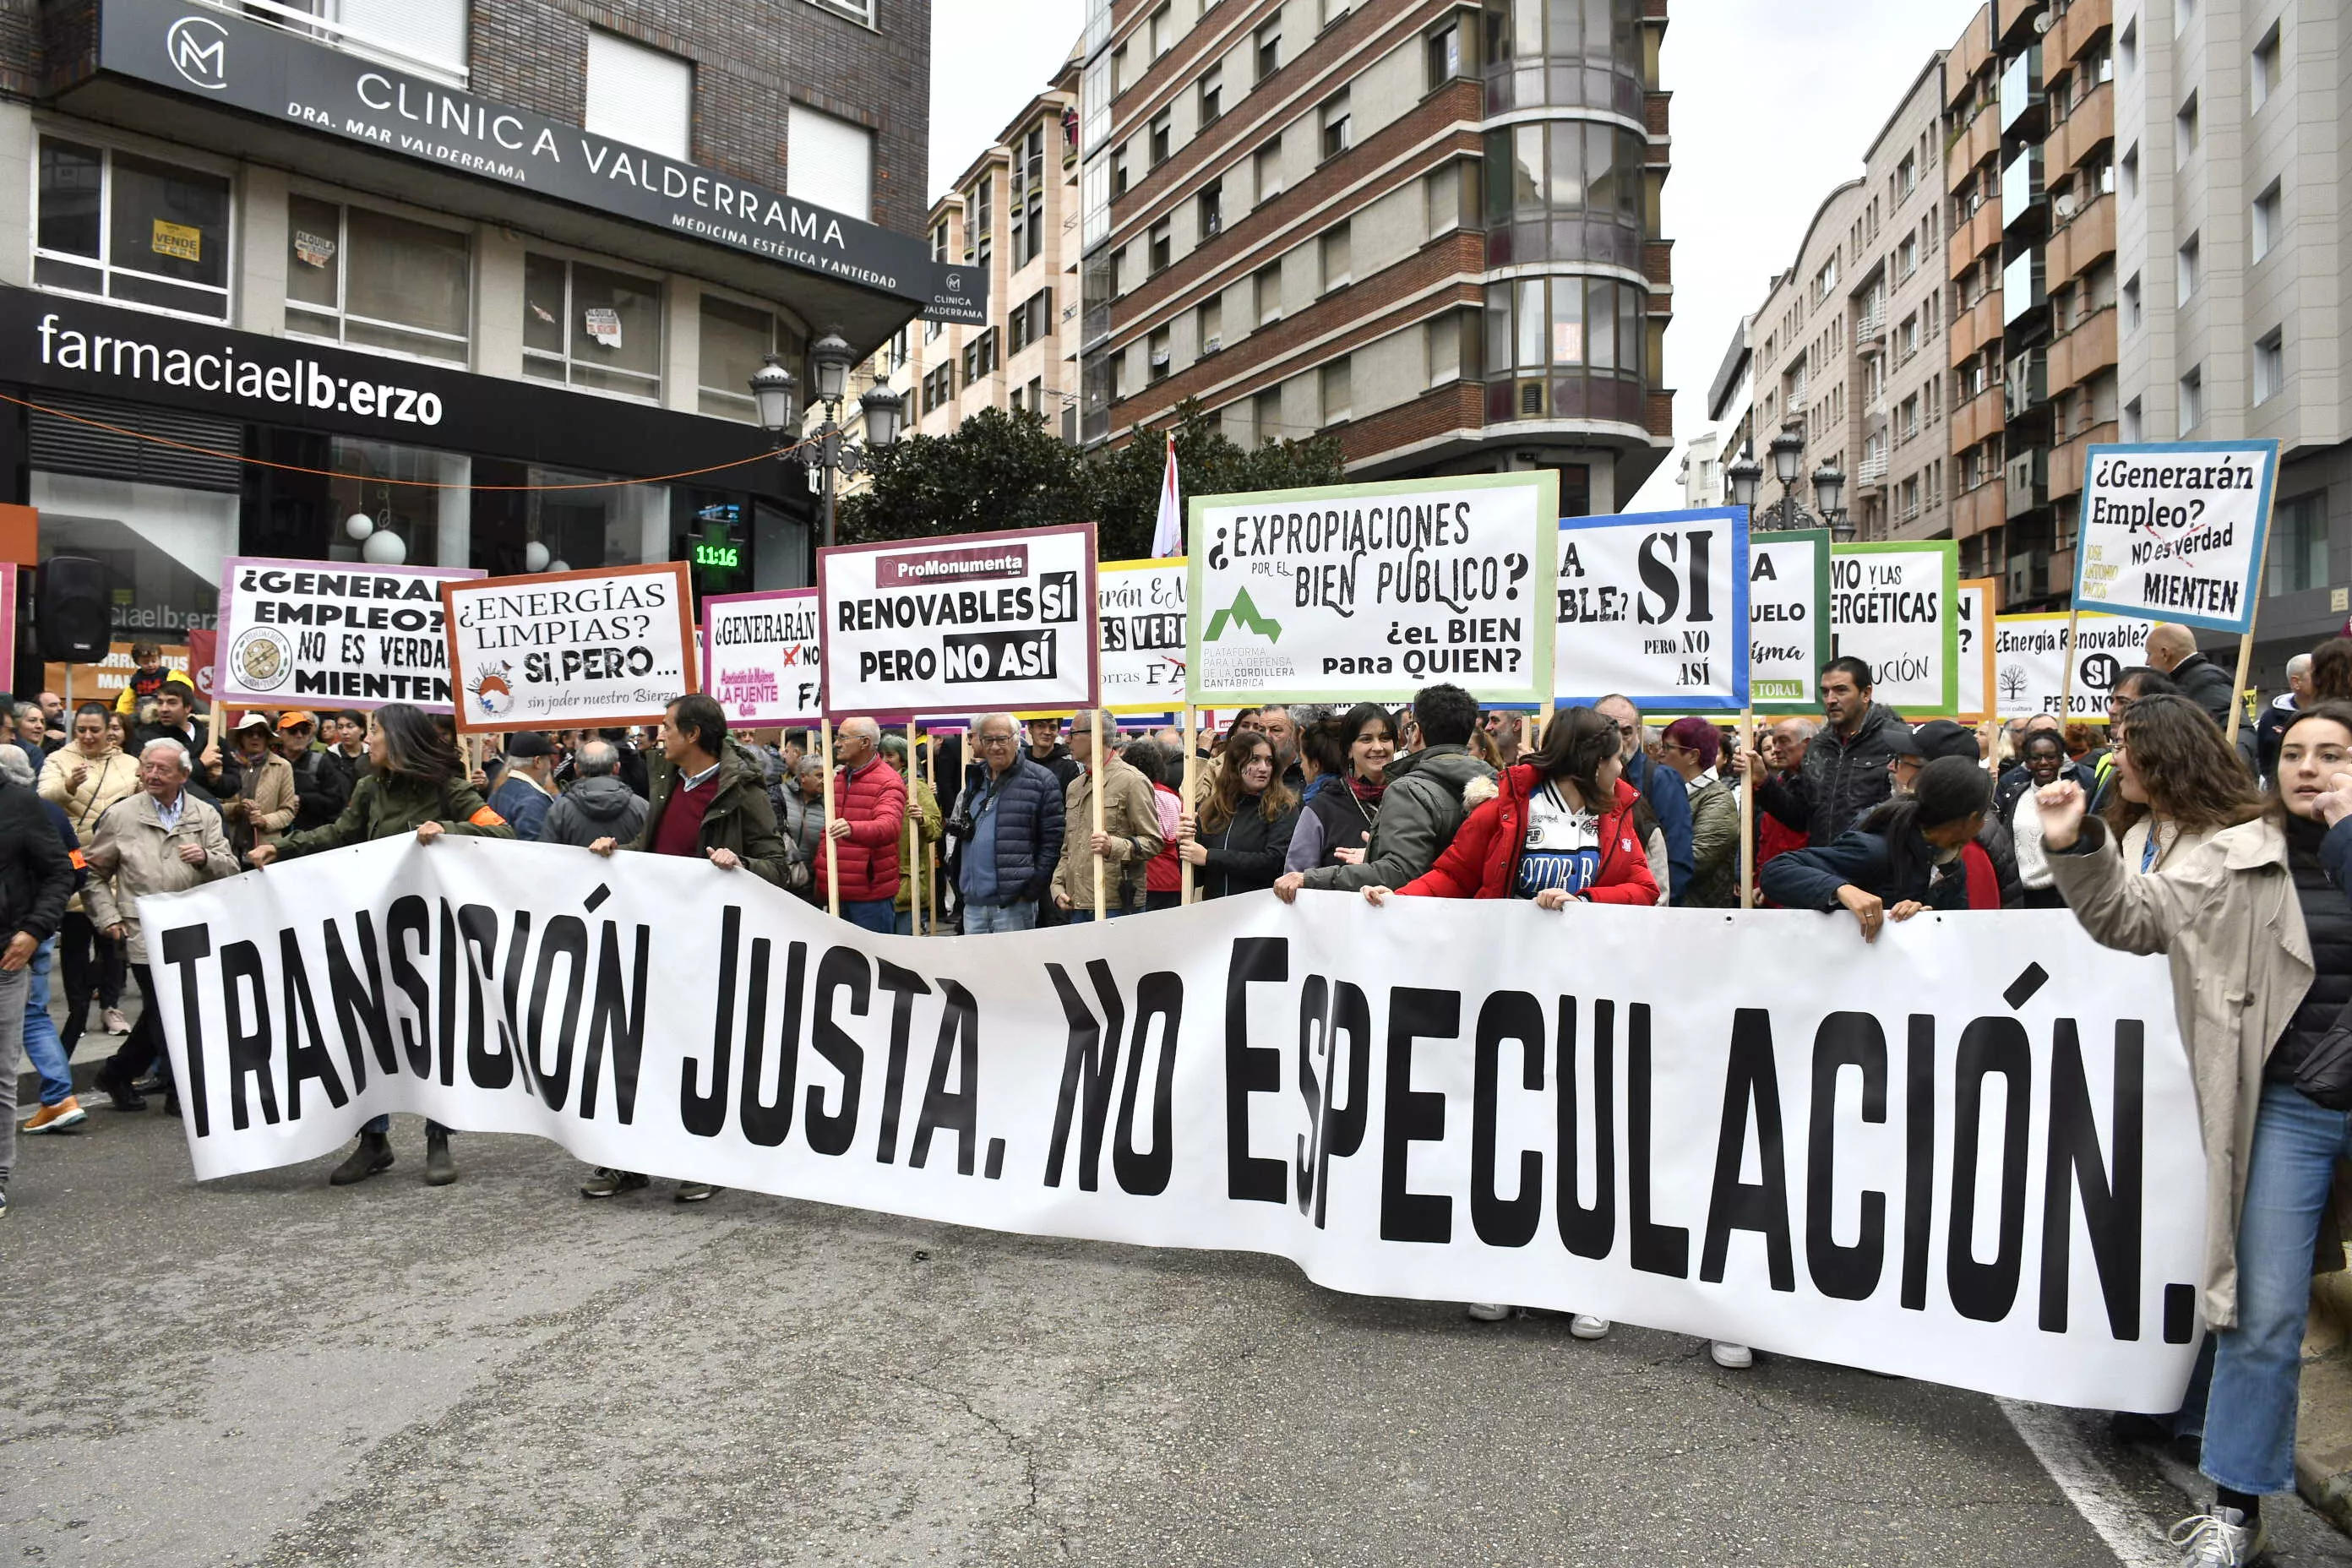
(1001, 470)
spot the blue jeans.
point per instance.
(41, 1042)
(2258, 1365)
(879, 915)
(989, 920)
(1080, 917)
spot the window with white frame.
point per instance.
(829, 161)
(2265, 74)
(2270, 364)
(591, 326)
(367, 279)
(640, 95)
(2268, 213)
(2192, 399)
(2186, 269)
(429, 33)
(129, 229)
(855, 10)
(735, 341)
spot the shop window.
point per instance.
(640, 96)
(590, 327)
(2297, 560)
(830, 162)
(736, 339)
(372, 281)
(132, 229)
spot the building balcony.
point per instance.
(1978, 324)
(1973, 238)
(1977, 140)
(1870, 330)
(2083, 352)
(1872, 470)
(2075, 137)
(2089, 235)
(2025, 482)
(1977, 419)
(2070, 32)
(1978, 510)
(2070, 462)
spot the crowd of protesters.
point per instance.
(2158, 833)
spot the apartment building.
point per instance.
(1701, 473)
(1428, 226)
(2230, 219)
(2032, 179)
(477, 270)
(1801, 349)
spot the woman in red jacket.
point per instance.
(1560, 828)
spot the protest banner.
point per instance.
(2174, 530)
(1788, 618)
(1140, 606)
(1364, 592)
(1437, 1099)
(333, 633)
(1651, 607)
(561, 649)
(203, 665)
(1973, 634)
(761, 658)
(2029, 663)
(966, 623)
(1892, 607)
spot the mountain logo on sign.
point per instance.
(1241, 613)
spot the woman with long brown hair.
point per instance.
(1237, 840)
(2246, 899)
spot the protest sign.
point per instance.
(2029, 663)
(1362, 592)
(760, 656)
(1892, 607)
(1788, 618)
(967, 624)
(1140, 606)
(1973, 635)
(1653, 607)
(339, 634)
(613, 646)
(2173, 531)
(1629, 1113)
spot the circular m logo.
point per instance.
(198, 48)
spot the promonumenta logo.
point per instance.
(1241, 613)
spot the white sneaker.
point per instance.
(1585, 1326)
(2222, 1538)
(116, 1024)
(1489, 1311)
(1731, 1357)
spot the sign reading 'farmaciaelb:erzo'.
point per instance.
(2174, 532)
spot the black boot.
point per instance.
(374, 1155)
(439, 1169)
(118, 1091)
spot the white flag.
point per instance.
(1168, 537)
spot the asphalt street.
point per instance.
(267, 1371)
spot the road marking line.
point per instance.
(2088, 1484)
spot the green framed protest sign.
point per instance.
(1788, 618)
(1896, 607)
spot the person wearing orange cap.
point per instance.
(320, 788)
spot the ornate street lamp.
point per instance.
(830, 454)
(1745, 477)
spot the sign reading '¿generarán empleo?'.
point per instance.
(2174, 532)
(1352, 593)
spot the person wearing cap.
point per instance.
(321, 790)
(1993, 882)
(253, 784)
(148, 674)
(176, 718)
(527, 784)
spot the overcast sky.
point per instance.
(1775, 101)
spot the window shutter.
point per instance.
(829, 161)
(640, 96)
(429, 30)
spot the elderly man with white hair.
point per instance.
(869, 818)
(161, 840)
(1009, 826)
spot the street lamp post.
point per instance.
(835, 454)
(1746, 476)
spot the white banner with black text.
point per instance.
(1968, 1154)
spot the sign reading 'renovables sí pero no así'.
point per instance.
(225, 59)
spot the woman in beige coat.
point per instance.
(83, 777)
(2260, 940)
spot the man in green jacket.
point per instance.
(1423, 807)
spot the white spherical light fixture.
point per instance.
(359, 525)
(534, 556)
(384, 548)
(558, 566)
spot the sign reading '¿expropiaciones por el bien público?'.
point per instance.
(559, 649)
(333, 634)
(2173, 531)
(972, 623)
(1367, 593)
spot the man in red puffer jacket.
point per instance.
(869, 818)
